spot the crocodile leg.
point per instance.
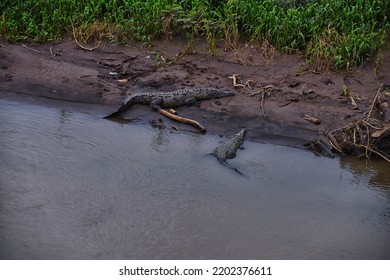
(118, 112)
(156, 103)
(190, 101)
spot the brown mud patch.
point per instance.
(281, 91)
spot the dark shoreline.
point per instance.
(64, 71)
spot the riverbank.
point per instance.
(275, 93)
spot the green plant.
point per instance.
(332, 34)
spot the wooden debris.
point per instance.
(320, 147)
(311, 119)
(378, 153)
(354, 105)
(183, 120)
(238, 85)
(367, 136)
(234, 80)
(24, 46)
(86, 48)
(285, 104)
(382, 133)
(262, 104)
(373, 102)
(334, 143)
(265, 89)
(172, 111)
(55, 53)
(289, 101)
(81, 46)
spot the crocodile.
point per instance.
(172, 99)
(227, 150)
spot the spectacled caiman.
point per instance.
(172, 99)
(227, 150)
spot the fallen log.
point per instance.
(183, 120)
(382, 133)
(311, 119)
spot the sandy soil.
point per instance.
(289, 89)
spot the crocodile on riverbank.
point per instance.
(227, 150)
(172, 99)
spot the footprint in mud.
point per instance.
(8, 77)
(327, 81)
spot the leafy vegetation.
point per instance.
(333, 34)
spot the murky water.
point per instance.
(75, 186)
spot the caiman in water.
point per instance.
(172, 99)
(227, 150)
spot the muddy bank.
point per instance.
(280, 91)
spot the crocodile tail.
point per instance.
(125, 105)
(116, 113)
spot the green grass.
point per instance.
(333, 34)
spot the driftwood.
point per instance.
(312, 119)
(373, 102)
(382, 132)
(86, 48)
(262, 104)
(263, 91)
(81, 46)
(24, 46)
(368, 135)
(321, 147)
(334, 143)
(238, 85)
(183, 120)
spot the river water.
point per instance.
(76, 186)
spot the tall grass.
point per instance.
(334, 34)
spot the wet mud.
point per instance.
(277, 96)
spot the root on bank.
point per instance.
(369, 136)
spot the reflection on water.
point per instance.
(75, 186)
(376, 170)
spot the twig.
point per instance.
(370, 125)
(373, 151)
(334, 143)
(55, 53)
(183, 120)
(238, 85)
(285, 104)
(262, 103)
(254, 93)
(266, 89)
(340, 128)
(311, 119)
(24, 46)
(85, 48)
(354, 105)
(81, 46)
(373, 102)
(383, 132)
(235, 83)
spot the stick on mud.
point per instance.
(183, 120)
(311, 119)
